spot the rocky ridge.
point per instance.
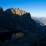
(16, 11)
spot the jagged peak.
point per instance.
(16, 11)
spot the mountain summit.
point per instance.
(16, 11)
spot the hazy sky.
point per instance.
(37, 8)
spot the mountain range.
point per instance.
(44, 18)
(41, 23)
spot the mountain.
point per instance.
(44, 18)
(14, 20)
(41, 23)
(40, 20)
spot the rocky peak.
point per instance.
(16, 11)
(1, 9)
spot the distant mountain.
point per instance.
(44, 18)
(41, 23)
(40, 20)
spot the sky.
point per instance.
(37, 8)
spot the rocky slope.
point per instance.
(16, 20)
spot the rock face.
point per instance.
(16, 11)
(15, 20)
